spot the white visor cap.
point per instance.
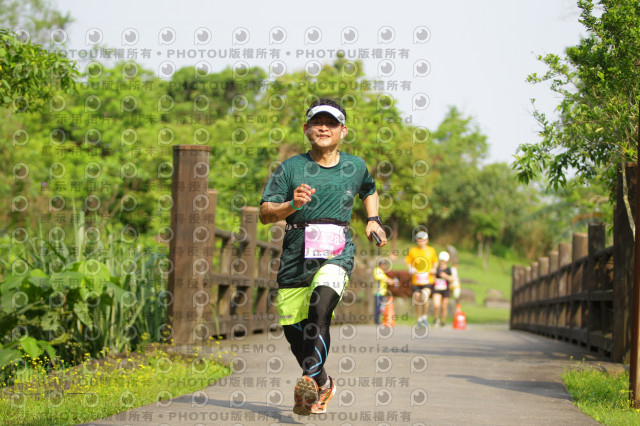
(422, 236)
(335, 112)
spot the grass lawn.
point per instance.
(100, 388)
(475, 315)
(497, 276)
(601, 395)
(482, 315)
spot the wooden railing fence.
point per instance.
(222, 282)
(581, 292)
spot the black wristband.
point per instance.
(375, 219)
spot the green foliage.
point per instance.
(601, 395)
(485, 205)
(109, 144)
(67, 301)
(598, 82)
(112, 141)
(106, 387)
(29, 75)
(36, 17)
(457, 150)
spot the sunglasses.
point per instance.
(330, 124)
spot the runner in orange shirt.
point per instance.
(422, 262)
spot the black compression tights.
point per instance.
(309, 339)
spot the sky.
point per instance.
(432, 55)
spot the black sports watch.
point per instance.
(375, 219)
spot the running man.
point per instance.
(422, 262)
(314, 192)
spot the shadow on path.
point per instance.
(521, 347)
(548, 389)
(275, 412)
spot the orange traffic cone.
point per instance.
(459, 319)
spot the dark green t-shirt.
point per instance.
(336, 188)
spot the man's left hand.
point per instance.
(373, 226)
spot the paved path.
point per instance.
(478, 376)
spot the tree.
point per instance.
(35, 19)
(29, 75)
(458, 147)
(599, 84)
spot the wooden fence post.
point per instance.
(522, 300)
(517, 297)
(623, 268)
(208, 288)
(578, 302)
(543, 273)
(595, 272)
(564, 258)
(551, 293)
(243, 272)
(564, 283)
(535, 293)
(189, 191)
(276, 235)
(514, 288)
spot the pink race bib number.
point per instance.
(323, 241)
(422, 278)
(441, 284)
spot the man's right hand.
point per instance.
(302, 195)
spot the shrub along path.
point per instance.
(481, 375)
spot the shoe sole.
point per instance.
(324, 410)
(306, 391)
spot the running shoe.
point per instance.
(305, 395)
(324, 396)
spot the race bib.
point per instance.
(441, 284)
(323, 240)
(422, 278)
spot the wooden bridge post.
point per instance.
(522, 295)
(187, 248)
(514, 287)
(516, 298)
(562, 299)
(551, 292)
(276, 235)
(596, 274)
(513, 318)
(623, 256)
(264, 316)
(223, 289)
(204, 299)
(543, 271)
(533, 293)
(578, 302)
(243, 272)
